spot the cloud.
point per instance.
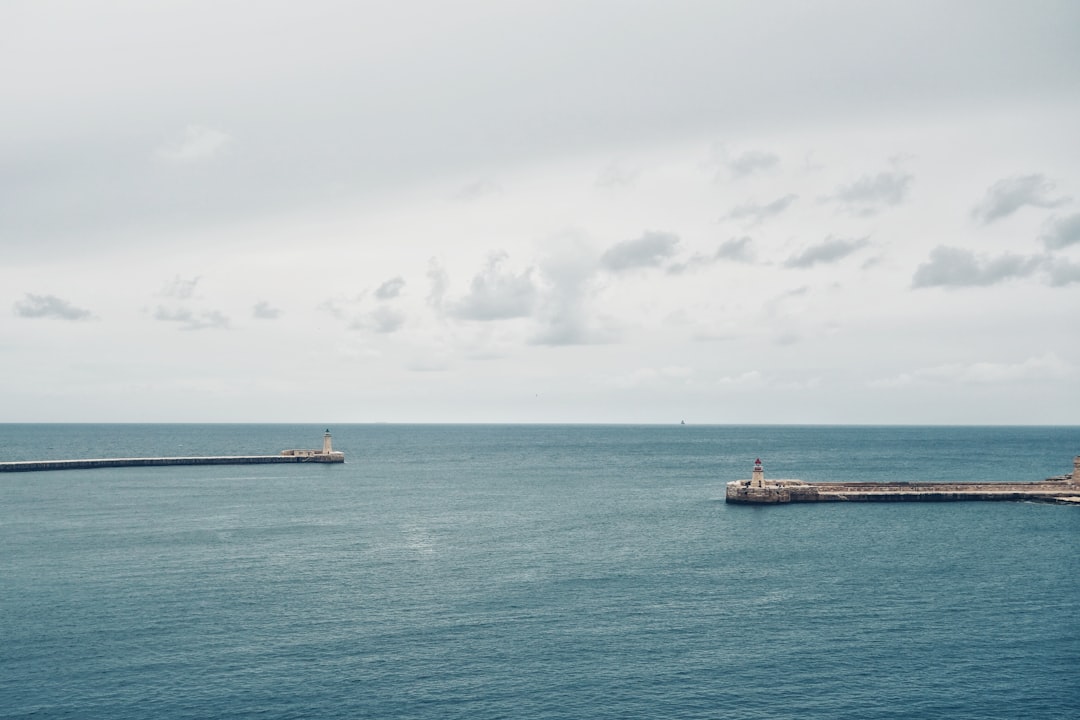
(759, 213)
(478, 189)
(383, 320)
(569, 273)
(752, 161)
(735, 250)
(438, 281)
(1008, 195)
(180, 288)
(739, 166)
(872, 193)
(390, 289)
(830, 250)
(957, 267)
(198, 144)
(189, 320)
(264, 311)
(1062, 232)
(49, 306)
(497, 294)
(1045, 367)
(1062, 272)
(616, 174)
(665, 376)
(649, 250)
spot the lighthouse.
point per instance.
(327, 446)
(757, 479)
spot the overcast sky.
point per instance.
(586, 211)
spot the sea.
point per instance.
(533, 572)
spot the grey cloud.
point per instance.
(496, 294)
(478, 189)
(1062, 272)
(649, 250)
(192, 321)
(752, 161)
(197, 144)
(759, 213)
(1008, 195)
(735, 249)
(438, 280)
(957, 267)
(530, 106)
(1062, 232)
(569, 275)
(382, 320)
(390, 289)
(49, 306)
(181, 288)
(872, 193)
(264, 311)
(831, 250)
(617, 175)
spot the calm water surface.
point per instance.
(533, 572)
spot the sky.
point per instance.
(540, 212)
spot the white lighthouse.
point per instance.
(327, 445)
(757, 479)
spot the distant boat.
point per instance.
(683, 422)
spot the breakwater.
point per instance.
(38, 465)
(794, 491)
(326, 454)
(759, 491)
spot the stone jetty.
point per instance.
(326, 454)
(759, 491)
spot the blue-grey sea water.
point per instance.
(533, 572)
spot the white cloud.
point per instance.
(198, 144)
(1008, 195)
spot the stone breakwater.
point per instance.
(38, 465)
(1064, 490)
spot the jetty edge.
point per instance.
(326, 454)
(757, 490)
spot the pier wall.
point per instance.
(779, 492)
(39, 465)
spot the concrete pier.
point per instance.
(759, 491)
(33, 465)
(326, 455)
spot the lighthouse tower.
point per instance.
(327, 446)
(757, 479)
